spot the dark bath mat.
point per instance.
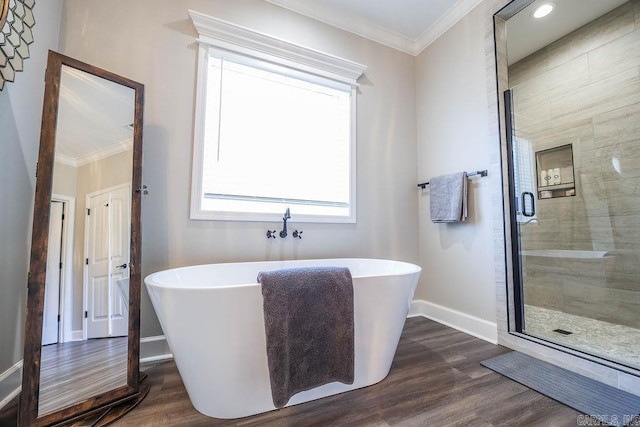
(605, 403)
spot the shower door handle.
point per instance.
(533, 204)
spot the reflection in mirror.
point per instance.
(82, 333)
(85, 317)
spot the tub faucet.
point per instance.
(286, 216)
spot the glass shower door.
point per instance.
(575, 195)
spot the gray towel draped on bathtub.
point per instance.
(308, 319)
(448, 194)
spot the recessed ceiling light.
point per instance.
(543, 10)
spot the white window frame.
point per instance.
(224, 39)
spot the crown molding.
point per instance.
(375, 32)
(350, 23)
(94, 156)
(446, 21)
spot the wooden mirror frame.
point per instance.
(29, 398)
(4, 10)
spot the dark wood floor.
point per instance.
(436, 380)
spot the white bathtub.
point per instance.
(213, 320)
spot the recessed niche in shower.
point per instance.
(555, 172)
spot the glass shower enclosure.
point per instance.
(573, 131)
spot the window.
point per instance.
(271, 132)
(272, 140)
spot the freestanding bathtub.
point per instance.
(213, 320)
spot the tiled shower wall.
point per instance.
(584, 90)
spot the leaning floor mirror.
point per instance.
(82, 335)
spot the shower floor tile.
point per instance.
(606, 340)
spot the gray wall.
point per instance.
(20, 115)
(453, 136)
(153, 42)
(584, 90)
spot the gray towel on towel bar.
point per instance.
(308, 321)
(448, 195)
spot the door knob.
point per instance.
(122, 266)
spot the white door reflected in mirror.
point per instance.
(108, 236)
(51, 314)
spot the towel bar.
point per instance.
(481, 173)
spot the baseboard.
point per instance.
(153, 349)
(10, 384)
(479, 328)
(76, 335)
